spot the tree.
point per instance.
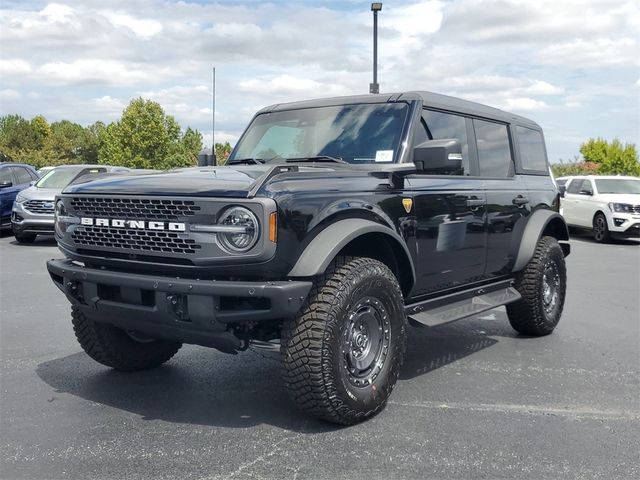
(611, 157)
(223, 150)
(17, 137)
(146, 137)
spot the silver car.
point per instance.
(32, 212)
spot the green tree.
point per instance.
(223, 150)
(146, 137)
(611, 157)
(18, 138)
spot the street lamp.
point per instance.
(374, 87)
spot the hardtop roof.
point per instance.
(429, 99)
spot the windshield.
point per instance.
(353, 133)
(620, 186)
(61, 177)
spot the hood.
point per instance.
(630, 198)
(35, 193)
(231, 181)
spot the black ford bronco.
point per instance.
(335, 224)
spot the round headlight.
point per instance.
(242, 229)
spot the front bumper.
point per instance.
(185, 310)
(624, 224)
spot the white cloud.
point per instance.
(57, 13)
(291, 87)
(99, 71)
(141, 27)
(9, 94)
(14, 66)
(592, 52)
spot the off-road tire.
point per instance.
(531, 315)
(313, 344)
(117, 349)
(601, 232)
(24, 237)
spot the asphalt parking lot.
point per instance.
(475, 400)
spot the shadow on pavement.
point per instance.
(202, 386)
(40, 241)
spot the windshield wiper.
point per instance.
(246, 161)
(318, 158)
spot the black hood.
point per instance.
(231, 181)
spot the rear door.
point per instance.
(507, 201)
(449, 209)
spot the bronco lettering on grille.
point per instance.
(134, 224)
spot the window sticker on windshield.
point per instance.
(384, 156)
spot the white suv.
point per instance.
(609, 206)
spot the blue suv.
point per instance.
(14, 177)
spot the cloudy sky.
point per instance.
(571, 65)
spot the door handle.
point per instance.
(476, 202)
(520, 200)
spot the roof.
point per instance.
(429, 99)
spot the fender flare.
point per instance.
(533, 229)
(325, 246)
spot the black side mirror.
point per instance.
(438, 157)
(6, 184)
(562, 189)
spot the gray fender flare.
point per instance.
(325, 246)
(533, 228)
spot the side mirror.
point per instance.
(562, 189)
(438, 157)
(6, 184)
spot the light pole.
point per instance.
(374, 87)
(213, 120)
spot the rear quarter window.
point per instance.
(532, 152)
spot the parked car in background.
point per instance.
(44, 170)
(608, 206)
(14, 177)
(32, 212)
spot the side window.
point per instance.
(574, 185)
(494, 152)
(5, 176)
(587, 187)
(445, 125)
(22, 175)
(531, 145)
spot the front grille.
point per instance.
(134, 208)
(141, 240)
(41, 207)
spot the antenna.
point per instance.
(213, 120)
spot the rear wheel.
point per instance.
(542, 285)
(120, 349)
(601, 232)
(342, 355)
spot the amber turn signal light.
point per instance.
(273, 227)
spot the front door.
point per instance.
(450, 233)
(450, 212)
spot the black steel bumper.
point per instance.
(185, 310)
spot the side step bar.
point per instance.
(462, 304)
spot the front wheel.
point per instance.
(120, 349)
(601, 232)
(342, 356)
(542, 285)
(25, 237)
